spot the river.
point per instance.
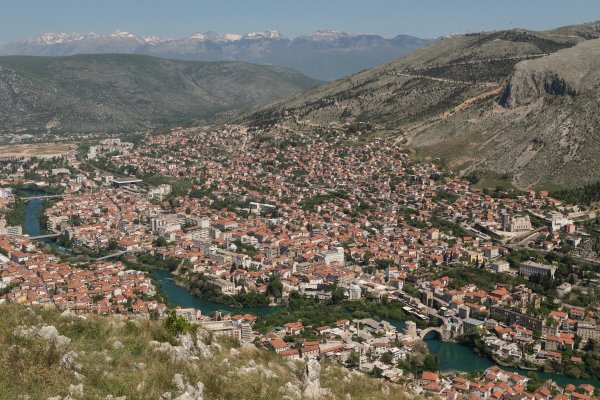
(32, 220)
(453, 356)
(33, 209)
(180, 296)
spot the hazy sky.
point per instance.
(176, 18)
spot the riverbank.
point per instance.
(179, 296)
(202, 287)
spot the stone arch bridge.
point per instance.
(445, 334)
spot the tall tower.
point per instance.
(410, 329)
(505, 221)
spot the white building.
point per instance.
(529, 268)
(500, 266)
(335, 256)
(12, 230)
(516, 223)
(159, 192)
(6, 193)
(354, 293)
(556, 221)
(159, 222)
(563, 289)
(239, 330)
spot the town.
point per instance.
(248, 222)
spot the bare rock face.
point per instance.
(311, 378)
(190, 392)
(526, 86)
(69, 361)
(187, 350)
(567, 72)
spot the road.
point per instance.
(440, 79)
(487, 84)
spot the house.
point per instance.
(429, 377)
(310, 351)
(279, 345)
(293, 328)
(291, 354)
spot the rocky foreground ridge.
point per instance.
(52, 356)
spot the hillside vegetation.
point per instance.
(110, 92)
(514, 103)
(48, 355)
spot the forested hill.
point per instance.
(110, 92)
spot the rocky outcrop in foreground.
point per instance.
(46, 355)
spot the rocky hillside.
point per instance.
(512, 103)
(100, 93)
(48, 355)
(569, 72)
(540, 131)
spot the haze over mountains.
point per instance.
(325, 55)
(518, 104)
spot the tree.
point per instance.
(431, 362)
(75, 220)
(574, 371)
(353, 359)
(367, 257)
(338, 295)
(387, 358)
(274, 287)
(160, 242)
(377, 372)
(112, 244)
(534, 382)
(178, 324)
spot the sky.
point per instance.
(21, 19)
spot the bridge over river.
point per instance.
(443, 333)
(40, 237)
(42, 197)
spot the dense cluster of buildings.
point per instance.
(31, 277)
(312, 212)
(499, 384)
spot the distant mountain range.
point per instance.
(126, 92)
(511, 107)
(325, 55)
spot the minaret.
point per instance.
(505, 221)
